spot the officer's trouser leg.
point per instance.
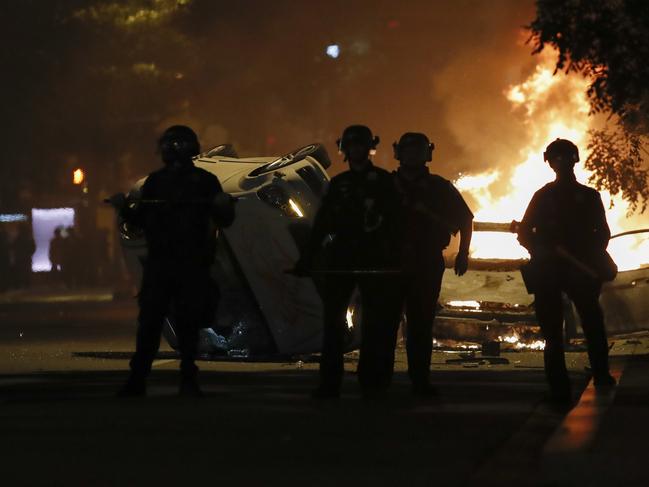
(549, 312)
(192, 298)
(187, 333)
(380, 323)
(422, 294)
(154, 302)
(586, 299)
(337, 295)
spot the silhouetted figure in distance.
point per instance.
(358, 217)
(57, 247)
(566, 233)
(180, 210)
(23, 248)
(432, 211)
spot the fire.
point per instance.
(519, 345)
(530, 92)
(472, 305)
(545, 119)
(349, 318)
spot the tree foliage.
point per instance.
(87, 80)
(615, 160)
(607, 41)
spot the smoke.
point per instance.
(482, 125)
(435, 67)
(99, 83)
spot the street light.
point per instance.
(78, 176)
(333, 51)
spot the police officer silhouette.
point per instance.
(357, 220)
(432, 211)
(566, 233)
(180, 210)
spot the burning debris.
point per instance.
(518, 344)
(468, 325)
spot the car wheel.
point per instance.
(317, 151)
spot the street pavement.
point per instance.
(61, 363)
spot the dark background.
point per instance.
(92, 83)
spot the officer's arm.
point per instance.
(222, 207)
(601, 230)
(320, 229)
(223, 213)
(133, 213)
(466, 234)
(464, 219)
(526, 234)
(462, 216)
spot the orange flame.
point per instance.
(553, 106)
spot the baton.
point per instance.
(631, 232)
(562, 252)
(152, 201)
(496, 227)
(351, 272)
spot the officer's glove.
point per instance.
(117, 201)
(461, 263)
(223, 209)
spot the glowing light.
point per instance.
(509, 339)
(12, 217)
(333, 51)
(535, 345)
(520, 345)
(78, 176)
(630, 252)
(296, 208)
(464, 304)
(44, 222)
(349, 317)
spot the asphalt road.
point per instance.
(62, 425)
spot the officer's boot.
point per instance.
(419, 371)
(557, 374)
(189, 381)
(598, 355)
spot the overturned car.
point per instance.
(262, 311)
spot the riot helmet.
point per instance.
(357, 135)
(416, 141)
(562, 148)
(178, 143)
